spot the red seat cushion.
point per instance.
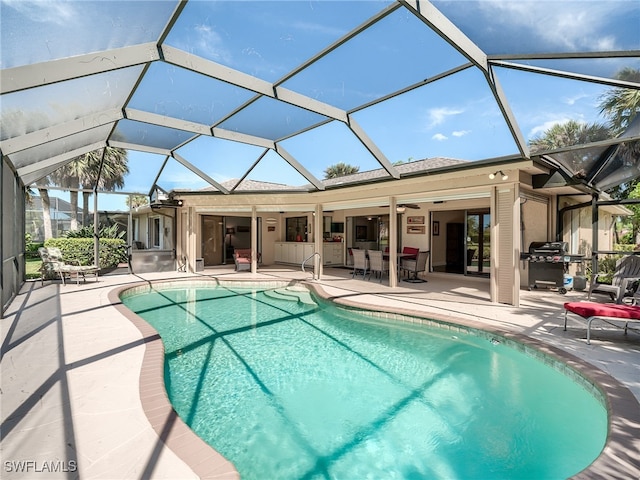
(410, 251)
(591, 309)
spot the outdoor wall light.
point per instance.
(503, 175)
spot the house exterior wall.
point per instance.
(535, 226)
(577, 231)
(456, 190)
(519, 214)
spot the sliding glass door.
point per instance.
(478, 243)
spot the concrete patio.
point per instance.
(75, 404)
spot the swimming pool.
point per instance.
(289, 389)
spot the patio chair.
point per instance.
(242, 258)
(53, 265)
(627, 272)
(410, 251)
(414, 267)
(360, 263)
(408, 254)
(377, 264)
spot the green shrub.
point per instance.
(624, 247)
(112, 231)
(80, 250)
(31, 249)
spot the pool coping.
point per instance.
(615, 460)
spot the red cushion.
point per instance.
(591, 309)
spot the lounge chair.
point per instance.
(360, 263)
(242, 258)
(53, 266)
(413, 267)
(626, 272)
(606, 312)
(377, 263)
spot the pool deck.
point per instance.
(81, 383)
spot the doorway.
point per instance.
(221, 236)
(478, 243)
(461, 241)
(212, 240)
(370, 232)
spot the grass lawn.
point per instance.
(31, 267)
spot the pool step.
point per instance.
(292, 294)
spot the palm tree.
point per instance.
(621, 105)
(340, 170)
(135, 201)
(82, 172)
(114, 169)
(568, 134)
(68, 176)
(46, 207)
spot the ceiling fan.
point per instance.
(400, 207)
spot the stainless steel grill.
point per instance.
(548, 262)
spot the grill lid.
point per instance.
(548, 247)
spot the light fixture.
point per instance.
(400, 209)
(503, 175)
(230, 231)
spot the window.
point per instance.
(297, 229)
(136, 229)
(154, 229)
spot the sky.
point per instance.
(455, 117)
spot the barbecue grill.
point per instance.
(548, 262)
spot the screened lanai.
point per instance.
(234, 96)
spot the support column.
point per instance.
(130, 233)
(594, 235)
(191, 240)
(318, 241)
(96, 241)
(517, 241)
(393, 242)
(254, 240)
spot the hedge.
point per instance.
(112, 250)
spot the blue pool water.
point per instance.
(291, 391)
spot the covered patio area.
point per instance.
(82, 386)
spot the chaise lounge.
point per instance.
(53, 265)
(606, 312)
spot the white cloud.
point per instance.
(562, 24)
(209, 40)
(460, 133)
(575, 98)
(440, 137)
(439, 115)
(53, 11)
(543, 127)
